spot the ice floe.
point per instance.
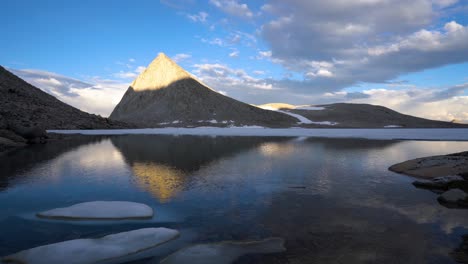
(223, 252)
(101, 210)
(84, 251)
(445, 134)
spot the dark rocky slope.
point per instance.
(369, 116)
(26, 111)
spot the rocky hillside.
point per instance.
(165, 94)
(344, 115)
(24, 105)
(26, 112)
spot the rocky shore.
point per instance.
(446, 175)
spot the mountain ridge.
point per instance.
(165, 93)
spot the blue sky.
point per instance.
(410, 56)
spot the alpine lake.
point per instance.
(331, 200)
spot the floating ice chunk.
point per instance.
(100, 210)
(224, 252)
(84, 251)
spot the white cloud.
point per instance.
(200, 17)
(233, 7)
(259, 72)
(264, 54)
(215, 41)
(233, 81)
(362, 41)
(140, 69)
(181, 57)
(100, 97)
(234, 54)
(125, 75)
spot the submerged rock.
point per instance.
(443, 182)
(223, 252)
(100, 210)
(454, 197)
(84, 251)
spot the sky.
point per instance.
(411, 56)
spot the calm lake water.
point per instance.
(332, 200)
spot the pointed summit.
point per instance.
(167, 94)
(161, 72)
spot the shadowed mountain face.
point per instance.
(22, 104)
(369, 116)
(165, 93)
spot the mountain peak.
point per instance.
(160, 73)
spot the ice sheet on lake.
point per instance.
(224, 252)
(445, 134)
(84, 251)
(101, 210)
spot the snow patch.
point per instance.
(302, 119)
(100, 210)
(392, 126)
(84, 251)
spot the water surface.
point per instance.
(332, 200)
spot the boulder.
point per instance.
(443, 182)
(455, 197)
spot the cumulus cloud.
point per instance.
(233, 7)
(98, 96)
(360, 41)
(225, 78)
(50, 82)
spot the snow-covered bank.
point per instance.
(445, 134)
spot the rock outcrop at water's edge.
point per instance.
(438, 173)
